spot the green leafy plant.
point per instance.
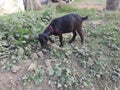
(26, 78)
(66, 8)
(37, 77)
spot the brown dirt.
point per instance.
(89, 6)
(13, 81)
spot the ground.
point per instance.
(92, 66)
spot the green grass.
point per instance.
(37, 77)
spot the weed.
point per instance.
(66, 8)
(37, 77)
(26, 78)
(7, 66)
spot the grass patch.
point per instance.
(37, 77)
(24, 27)
(67, 9)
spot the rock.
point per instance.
(49, 67)
(13, 57)
(20, 51)
(40, 54)
(44, 50)
(5, 44)
(59, 85)
(50, 71)
(26, 37)
(68, 54)
(114, 77)
(11, 6)
(34, 56)
(31, 67)
(12, 47)
(116, 88)
(16, 36)
(48, 63)
(15, 68)
(1, 37)
(27, 50)
(12, 82)
(55, 46)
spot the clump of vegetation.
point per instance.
(66, 77)
(36, 76)
(66, 8)
(19, 32)
(23, 28)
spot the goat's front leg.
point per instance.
(61, 40)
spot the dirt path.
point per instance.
(90, 6)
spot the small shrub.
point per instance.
(37, 77)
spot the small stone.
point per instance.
(68, 54)
(13, 82)
(16, 36)
(27, 51)
(40, 54)
(34, 56)
(32, 67)
(20, 51)
(26, 37)
(50, 71)
(44, 50)
(48, 63)
(55, 46)
(15, 68)
(59, 85)
(12, 47)
(5, 44)
(1, 37)
(49, 67)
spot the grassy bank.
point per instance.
(73, 67)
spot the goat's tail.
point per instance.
(84, 18)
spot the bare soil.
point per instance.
(90, 6)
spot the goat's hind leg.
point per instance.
(73, 38)
(80, 32)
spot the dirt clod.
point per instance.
(34, 56)
(31, 67)
(15, 69)
(40, 54)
